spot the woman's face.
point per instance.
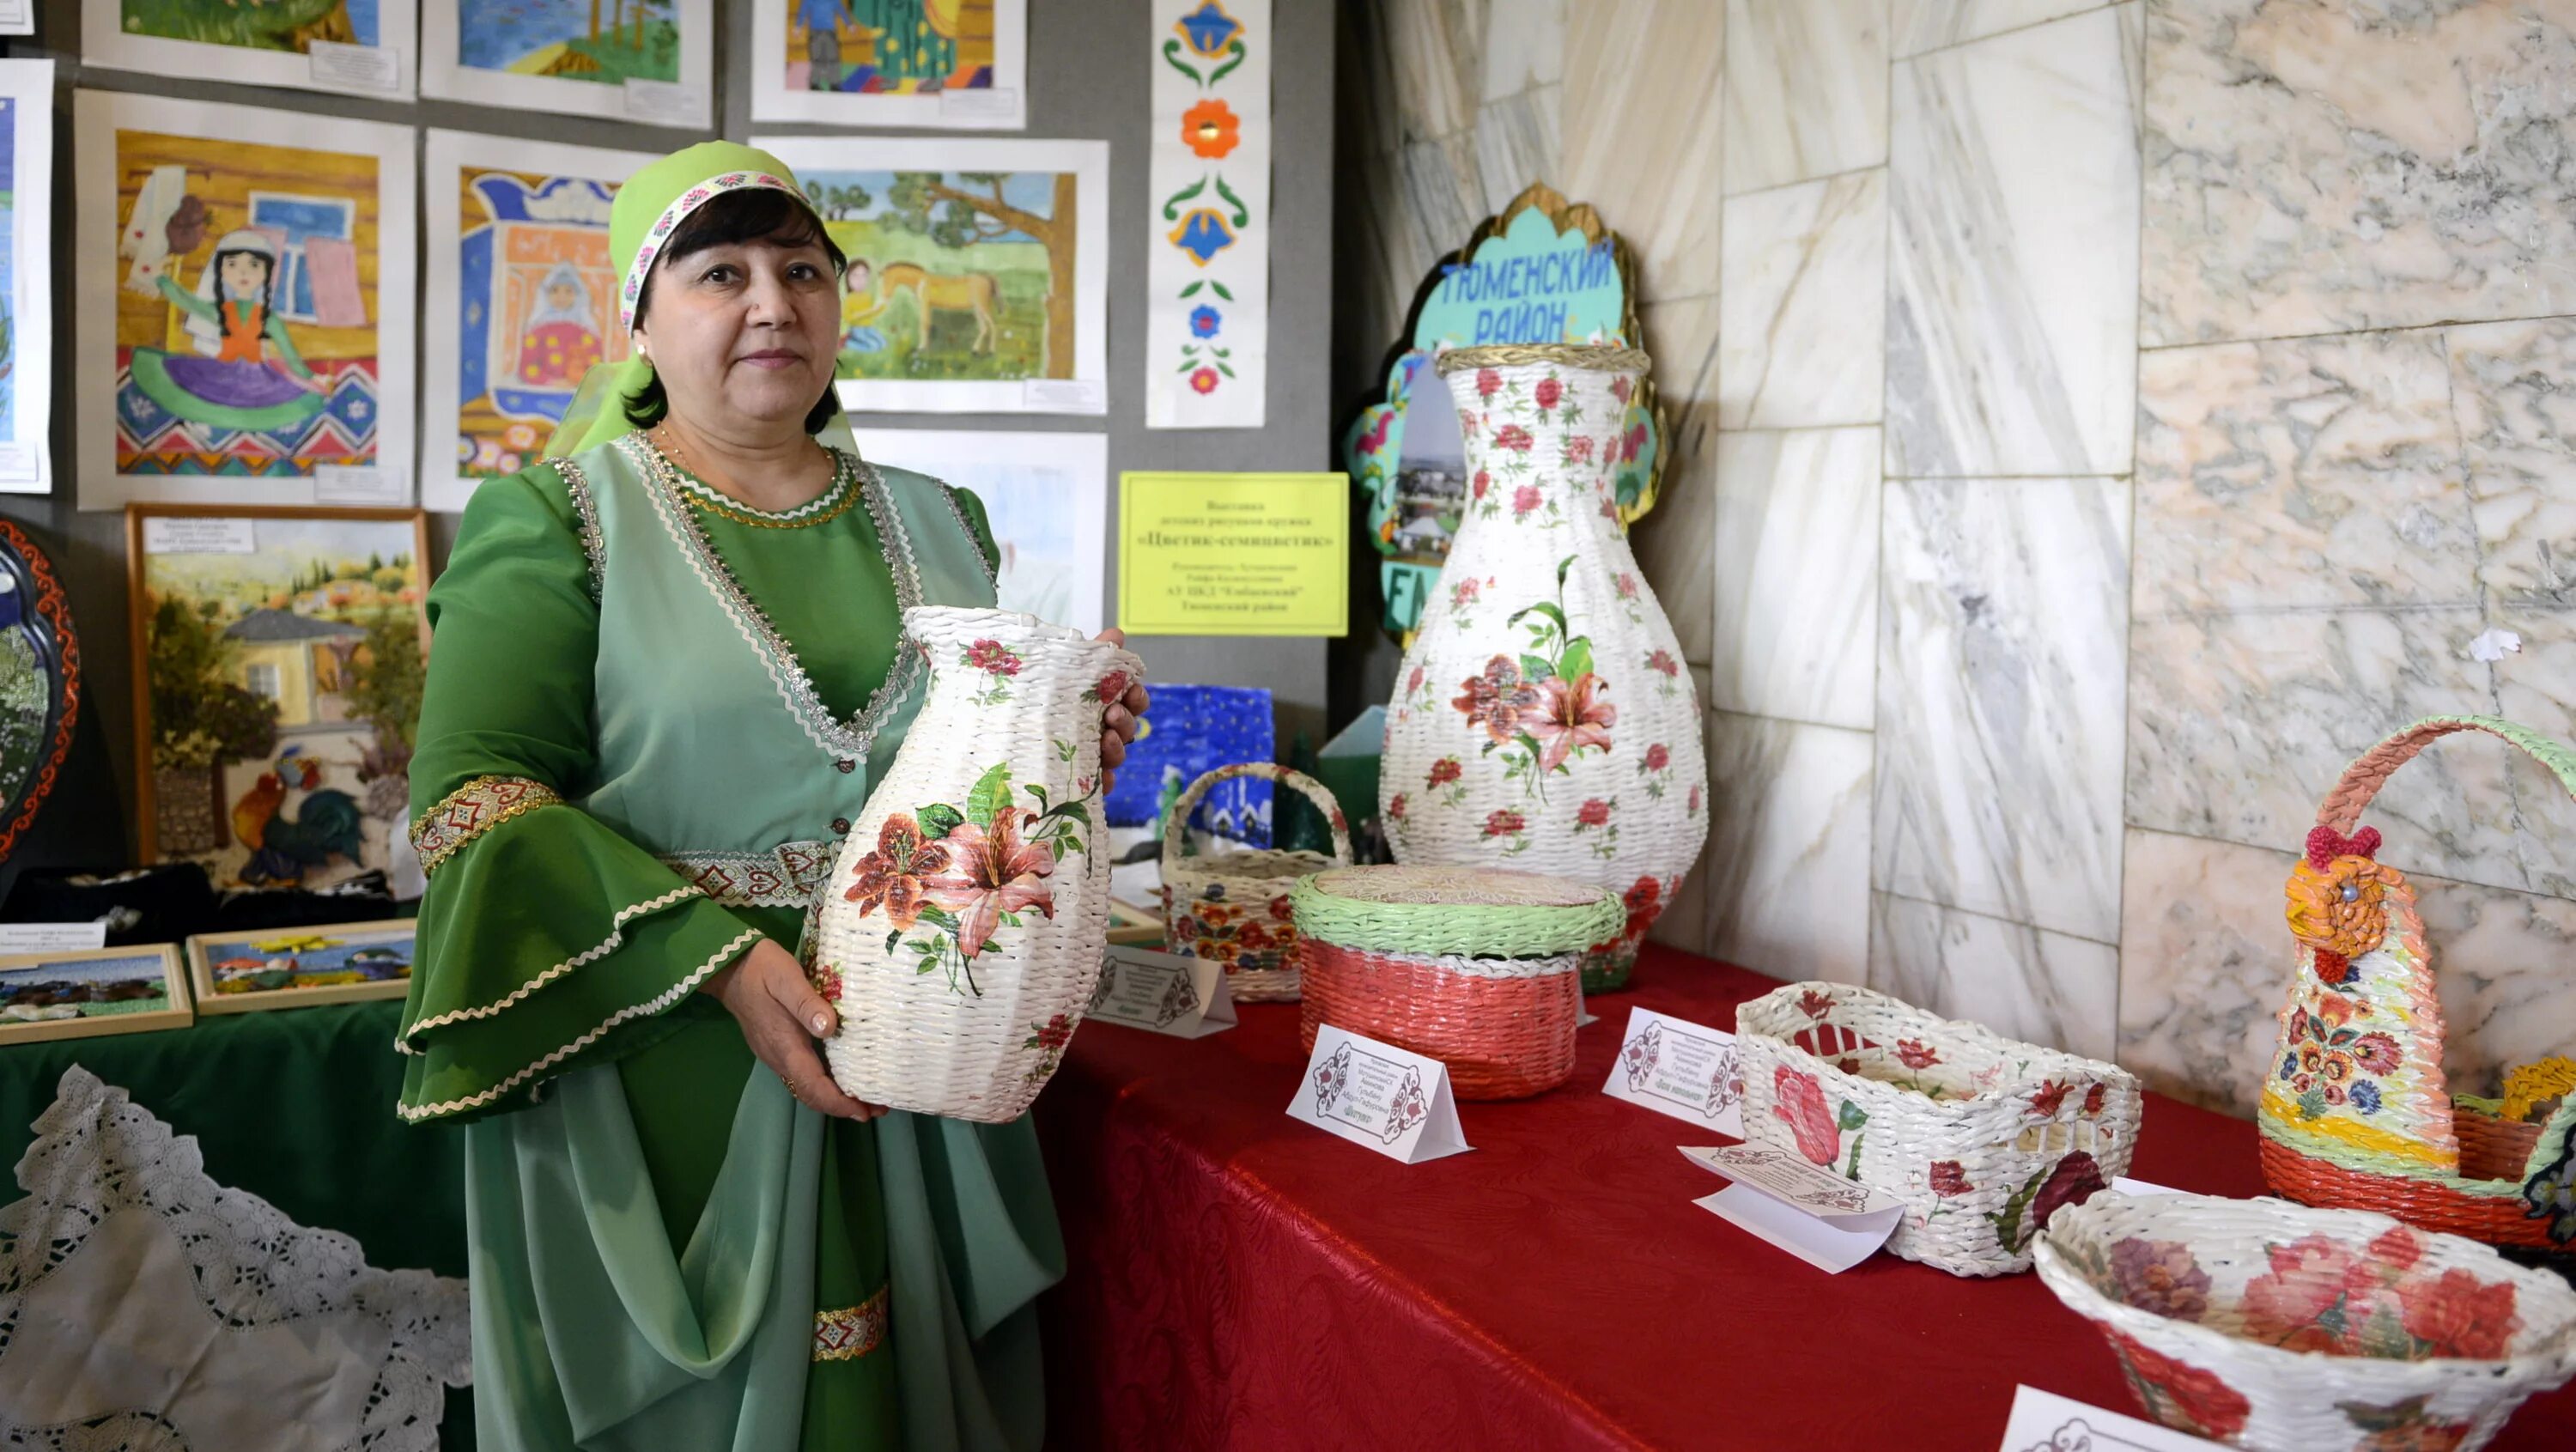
(561, 296)
(742, 335)
(244, 275)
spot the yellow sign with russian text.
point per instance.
(1234, 554)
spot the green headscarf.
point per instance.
(649, 208)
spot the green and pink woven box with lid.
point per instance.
(2356, 1107)
(1478, 969)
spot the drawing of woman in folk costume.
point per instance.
(245, 373)
(561, 338)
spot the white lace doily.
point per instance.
(145, 1308)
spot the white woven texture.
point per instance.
(1980, 1135)
(927, 1025)
(1246, 888)
(1548, 772)
(200, 1317)
(2202, 1283)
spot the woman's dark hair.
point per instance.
(757, 214)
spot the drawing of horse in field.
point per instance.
(954, 275)
(970, 292)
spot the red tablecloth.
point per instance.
(1241, 1280)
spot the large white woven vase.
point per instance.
(1543, 720)
(962, 931)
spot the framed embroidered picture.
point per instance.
(85, 993)
(278, 656)
(299, 967)
(244, 288)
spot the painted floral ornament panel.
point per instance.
(39, 682)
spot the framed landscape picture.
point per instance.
(1046, 496)
(298, 967)
(363, 47)
(949, 65)
(978, 277)
(88, 992)
(648, 61)
(245, 305)
(279, 655)
(522, 300)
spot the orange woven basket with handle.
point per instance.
(2356, 1110)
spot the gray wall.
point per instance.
(1089, 78)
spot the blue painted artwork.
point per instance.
(1188, 732)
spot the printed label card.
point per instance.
(1680, 1068)
(1163, 993)
(1818, 1216)
(51, 937)
(1395, 1102)
(2046, 1422)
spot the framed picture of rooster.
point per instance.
(297, 967)
(278, 659)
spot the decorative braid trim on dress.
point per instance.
(852, 1331)
(472, 810)
(415, 1113)
(616, 939)
(593, 547)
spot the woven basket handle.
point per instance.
(1176, 826)
(2362, 780)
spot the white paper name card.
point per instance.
(2046, 1422)
(187, 534)
(665, 103)
(1164, 993)
(1680, 1068)
(1818, 1216)
(51, 937)
(356, 67)
(1395, 1102)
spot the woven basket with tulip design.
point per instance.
(2270, 1326)
(1983, 1138)
(2356, 1109)
(1233, 906)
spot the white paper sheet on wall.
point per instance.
(1207, 320)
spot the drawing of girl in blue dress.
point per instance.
(245, 374)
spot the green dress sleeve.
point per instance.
(977, 524)
(547, 941)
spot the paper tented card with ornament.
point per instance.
(1812, 1213)
(1395, 1102)
(2046, 1422)
(1163, 993)
(1680, 1068)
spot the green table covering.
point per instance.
(295, 1106)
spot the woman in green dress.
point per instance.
(664, 675)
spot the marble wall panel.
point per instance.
(2023, 982)
(2239, 724)
(2013, 206)
(2002, 681)
(1920, 25)
(1786, 872)
(2205, 961)
(2517, 420)
(2306, 472)
(1435, 62)
(1806, 92)
(1642, 125)
(1796, 575)
(1802, 284)
(1516, 143)
(2536, 686)
(1524, 46)
(2318, 168)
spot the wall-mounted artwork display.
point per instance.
(299, 967)
(39, 682)
(957, 65)
(978, 279)
(245, 290)
(358, 46)
(26, 274)
(1046, 496)
(1541, 272)
(278, 656)
(522, 300)
(86, 992)
(1207, 315)
(650, 61)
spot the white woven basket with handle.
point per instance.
(1233, 906)
(1982, 1137)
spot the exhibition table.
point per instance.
(1242, 1280)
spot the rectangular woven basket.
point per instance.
(1982, 1137)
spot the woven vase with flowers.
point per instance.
(1543, 720)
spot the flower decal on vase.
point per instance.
(1561, 677)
